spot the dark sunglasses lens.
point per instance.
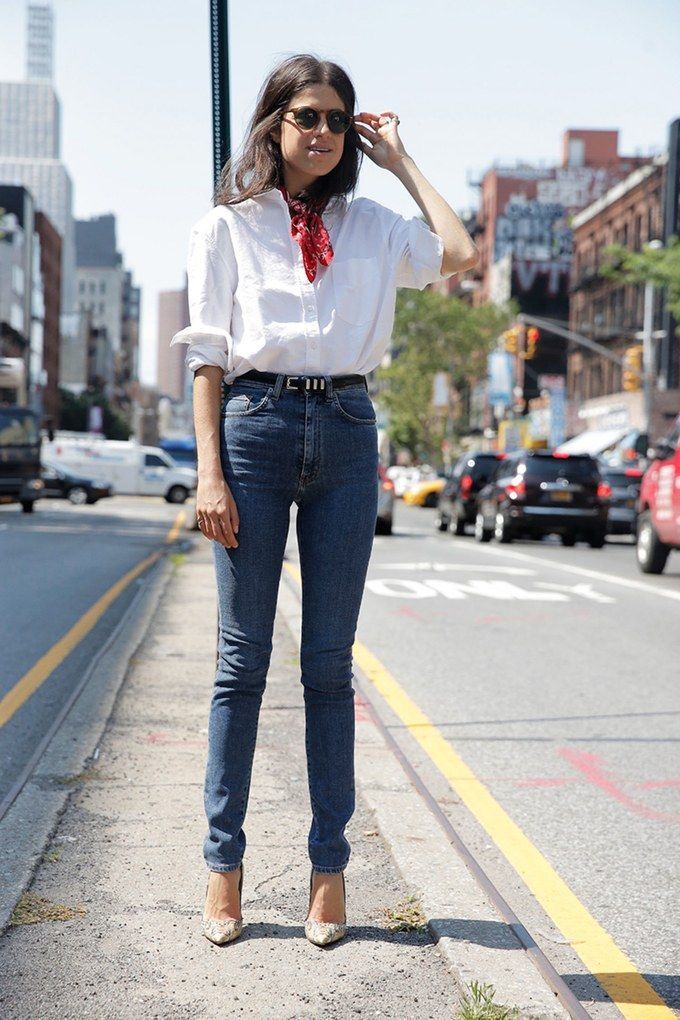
(338, 121)
(306, 117)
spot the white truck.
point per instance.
(131, 469)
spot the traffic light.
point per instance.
(533, 336)
(510, 336)
(632, 368)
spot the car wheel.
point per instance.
(568, 540)
(383, 526)
(482, 534)
(651, 552)
(596, 541)
(457, 525)
(77, 495)
(27, 506)
(501, 530)
(176, 494)
(442, 522)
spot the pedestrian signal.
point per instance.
(533, 336)
(632, 368)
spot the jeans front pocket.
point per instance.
(241, 401)
(355, 404)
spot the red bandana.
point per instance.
(307, 228)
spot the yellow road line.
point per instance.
(180, 519)
(619, 977)
(45, 666)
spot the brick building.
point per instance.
(611, 312)
(524, 234)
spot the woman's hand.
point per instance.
(216, 511)
(386, 149)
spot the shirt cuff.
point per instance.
(427, 252)
(207, 346)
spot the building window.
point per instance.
(102, 287)
(81, 287)
(92, 286)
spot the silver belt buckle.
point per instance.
(292, 379)
(311, 382)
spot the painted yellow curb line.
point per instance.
(634, 997)
(45, 666)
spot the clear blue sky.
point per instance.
(472, 82)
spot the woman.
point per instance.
(292, 296)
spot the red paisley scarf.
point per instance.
(307, 228)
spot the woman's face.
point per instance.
(303, 160)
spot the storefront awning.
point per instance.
(594, 441)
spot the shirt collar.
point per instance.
(336, 202)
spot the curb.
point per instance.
(475, 943)
(31, 821)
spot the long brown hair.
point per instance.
(259, 166)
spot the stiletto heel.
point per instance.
(221, 932)
(321, 933)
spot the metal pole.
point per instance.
(648, 355)
(219, 54)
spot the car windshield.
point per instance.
(17, 427)
(548, 469)
(620, 477)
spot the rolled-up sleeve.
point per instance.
(211, 281)
(415, 251)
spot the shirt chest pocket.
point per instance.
(355, 289)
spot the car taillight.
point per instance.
(466, 484)
(561, 456)
(633, 472)
(518, 489)
(604, 490)
(388, 484)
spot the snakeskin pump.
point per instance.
(221, 932)
(322, 933)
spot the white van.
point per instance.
(131, 469)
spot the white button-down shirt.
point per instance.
(252, 306)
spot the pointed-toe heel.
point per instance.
(322, 933)
(220, 932)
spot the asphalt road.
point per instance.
(56, 563)
(553, 673)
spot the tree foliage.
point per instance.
(433, 333)
(658, 266)
(75, 411)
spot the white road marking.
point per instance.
(426, 565)
(597, 575)
(404, 588)
(584, 590)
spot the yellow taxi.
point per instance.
(425, 493)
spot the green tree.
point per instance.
(658, 266)
(433, 333)
(75, 410)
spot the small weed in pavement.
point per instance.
(478, 1004)
(32, 909)
(51, 856)
(406, 916)
(177, 559)
(80, 777)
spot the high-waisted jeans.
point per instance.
(319, 450)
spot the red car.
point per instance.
(658, 526)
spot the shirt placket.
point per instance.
(310, 308)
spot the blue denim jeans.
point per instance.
(319, 450)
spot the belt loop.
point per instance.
(329, 386)
(278, 385)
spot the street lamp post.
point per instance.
(648, 348)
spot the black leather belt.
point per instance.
(304, 383)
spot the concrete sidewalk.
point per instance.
(125, 874)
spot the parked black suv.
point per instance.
(458, 499)
(534, 493)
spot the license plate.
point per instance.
(631, 503)
(562, 497)
(6, 499)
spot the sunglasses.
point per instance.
(307, 118)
